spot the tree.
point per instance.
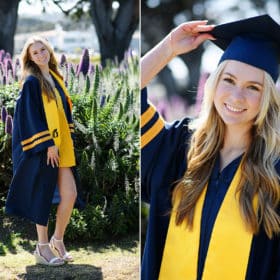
(114, 26)
(114, 31)
(155, 24)
(8, 22)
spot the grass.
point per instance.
(112, 260)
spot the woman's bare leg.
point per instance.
(43, 240)
(68, 194)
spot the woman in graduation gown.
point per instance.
(42, 150)
(213, 183)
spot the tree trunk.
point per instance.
(114, 31)
(8, 23)
(156, 23)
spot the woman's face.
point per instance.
(39, 54)
(239, 93)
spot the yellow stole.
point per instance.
(51, 110)
(229, 247)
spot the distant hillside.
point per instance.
(25, 25)
(40, 23)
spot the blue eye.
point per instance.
(229, 80)
(255, 88)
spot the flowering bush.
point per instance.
(105, 114)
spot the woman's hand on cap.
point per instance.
(187, 36)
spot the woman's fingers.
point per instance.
(55, 161)
(201, 38)
(190, 35)
(52, 156)
(203, 28)
(196, 26)
(193, 24)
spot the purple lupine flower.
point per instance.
(126, 55)
(66, 73)
(16, 67)
(62, 60)
(125, 64)
(1, 68)
(2, 54)
(200, 91)
(17, 62)
(130, 53)
(84, 63)
(4, 114)
(9, 65)
(9, 125)
(102, 100)
(10, 78)
(91, 69)
(68, 68)
(8, 56)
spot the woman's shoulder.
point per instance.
(31, 83)
(31, 79)
(30, 87)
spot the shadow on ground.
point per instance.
(18, 232)
(65, 272)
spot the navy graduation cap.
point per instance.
(255, 41)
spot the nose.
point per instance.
(41, 54)
(237, 93)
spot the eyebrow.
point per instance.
(253, 82)
(37, 50)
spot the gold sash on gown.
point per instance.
(229, 247)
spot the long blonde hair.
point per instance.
(259, 176)
(30, 68)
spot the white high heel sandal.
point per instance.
(66, 257)
(40, 259)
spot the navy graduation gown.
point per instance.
(163, 162)
(33, 184)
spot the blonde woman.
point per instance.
(43, 152)
(213, 183)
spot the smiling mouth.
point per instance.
(234, 109)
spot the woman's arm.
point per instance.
(182, 39)
(31, 131)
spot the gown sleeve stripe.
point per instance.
(147, 115)
(34, 137)
(71, 127)
(37, 142)
(152, 133)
